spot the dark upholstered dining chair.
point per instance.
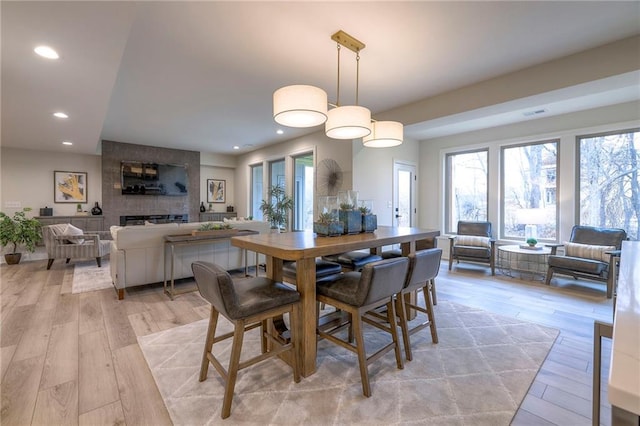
(247, 303)
(590, 253)
(359, 292)
(424, 266)
(473, 243)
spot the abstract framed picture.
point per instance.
(69, 187)
(216, 190)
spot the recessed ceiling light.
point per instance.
(67, 143)
(46, 52)
(280, 131)
(60, 114)
(236, 147)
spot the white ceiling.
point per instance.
(200, 75)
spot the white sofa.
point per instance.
(138, 252)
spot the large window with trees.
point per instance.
(466, 183)
(529, 194)
(609, 182)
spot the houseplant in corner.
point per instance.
(18, 230)
(277, 207)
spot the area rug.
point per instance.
(88, 277)
(477, 375)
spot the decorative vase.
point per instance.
(202, 208)
(96, 210)
(328, 229)
(352, 221)
(369, 222)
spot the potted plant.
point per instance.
(532, 242)
(369, 220)
(18, 230)
(328, 225)
(351, 217)
(276, 209)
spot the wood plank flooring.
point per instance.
(74, 358)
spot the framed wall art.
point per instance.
(216, 190)
(69, 187)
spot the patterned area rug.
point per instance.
(88, 277)
(477, 375)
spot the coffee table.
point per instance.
(514, 259)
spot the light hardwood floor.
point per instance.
(74, 358)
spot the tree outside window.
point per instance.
(609, 180)
(466, 187)
(529, 189)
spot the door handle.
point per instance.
(398, 215)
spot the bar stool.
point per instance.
(248, 304)
(353, 260)
(325, 271)
(424, 266)
(358, 292)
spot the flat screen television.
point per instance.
(140, 178)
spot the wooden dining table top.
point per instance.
(306, 244)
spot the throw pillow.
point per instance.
(588, 251)
(72, 230)
(472, 240)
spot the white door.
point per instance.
(404, 194)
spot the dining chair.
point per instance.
(424, 266)
(247, 303)
(359, 292)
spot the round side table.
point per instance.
(524, 261)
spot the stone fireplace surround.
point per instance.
(115, 204)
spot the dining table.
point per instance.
(304, 247)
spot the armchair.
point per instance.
(65, 241)
(591, 253)
(473, 243)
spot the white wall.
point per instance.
(564, 127)
(27, 178)
(373, 175)
(225, 173)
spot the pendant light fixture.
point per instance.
(306, 106)
(384, 134)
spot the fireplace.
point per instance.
(153, 218)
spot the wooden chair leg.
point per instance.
(49, 263)
(433, 291)
(432, 318)
(362, 356)
(391, 318)
(547, 279)
(234, 363)
(404, 326)
(211, 331)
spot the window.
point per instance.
(609, 182)
(529, 190)
(256, 191)
(303, 192)
(276, 173)
(466, 187)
